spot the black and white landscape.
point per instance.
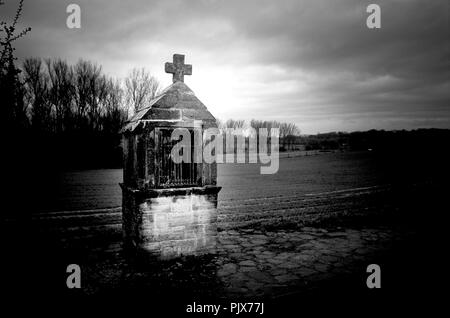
(97, 209)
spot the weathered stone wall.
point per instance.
(170, 226)
(178, 225)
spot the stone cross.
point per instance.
(178, 68)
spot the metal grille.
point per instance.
(174, 174)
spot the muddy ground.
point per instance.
(296, 240)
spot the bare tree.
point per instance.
(288, 129)
(36, 96)
(6, 55)
(114, 112)
(257, 124)
(61, 92)
(140, 88)
(13, 112)
(89, 91)
(98, 92)
(220, 124)
(232, 123)
(288, 132)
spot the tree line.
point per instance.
(56, 114)
(75, 112)
(59, 114)
(288, 132)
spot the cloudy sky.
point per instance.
(312, 62)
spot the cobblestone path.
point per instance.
(257, 263)
(253, 263)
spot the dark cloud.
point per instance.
(313, 62)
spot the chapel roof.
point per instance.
(175, 103)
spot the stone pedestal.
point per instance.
(170, 222)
